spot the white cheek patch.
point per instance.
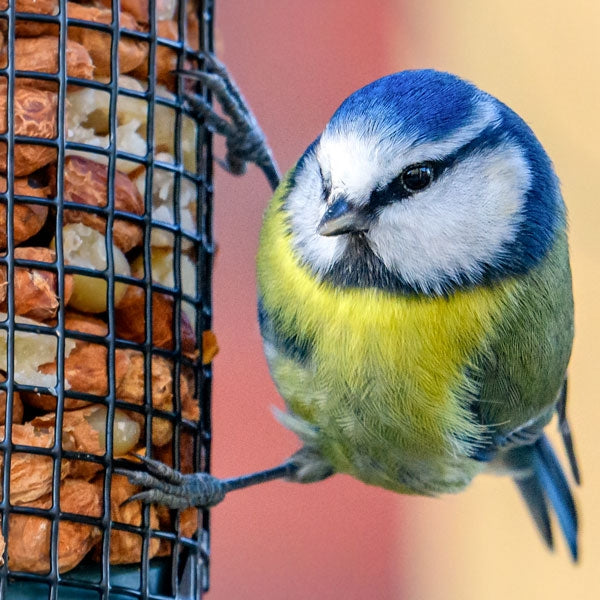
(459, 224)
(306, 208)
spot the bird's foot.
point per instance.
(244, 139)
(173, 489)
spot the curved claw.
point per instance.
(231, 165)
(146, 480)
(161, 470)
(214, 62)
(245, 140)
(171, 488)
(159, 497)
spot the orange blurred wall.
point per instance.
(543, 59)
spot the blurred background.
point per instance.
(295, 62)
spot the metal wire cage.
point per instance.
(102, 326)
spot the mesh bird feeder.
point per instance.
(105, 291)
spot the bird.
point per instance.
(414, 296)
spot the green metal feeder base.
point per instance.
(83, 583)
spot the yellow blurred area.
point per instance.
(543, 60)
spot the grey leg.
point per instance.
(175, 490)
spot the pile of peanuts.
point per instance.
(85, 180)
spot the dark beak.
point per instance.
(342, 217)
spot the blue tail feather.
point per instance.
(546, 483)
(533, 494)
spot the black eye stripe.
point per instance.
(395, 190)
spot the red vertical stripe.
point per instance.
(295, 62)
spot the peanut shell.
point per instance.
(31, 474)
(35, 114)
(77, 436)
(186, 453)
(192, 34)
(32, 29)
(86, 182)
(131, 52)
(188, 525)
(130, 321)
(37, 7)
(84, 430)
(40, 54)
(126, 547)
(29, 536)
(139, 9)
(28, 218)
(85, 367)
(131, 389)
(35, 288)
(166, 58)
(17, 408)
(26, 28)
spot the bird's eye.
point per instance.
(416, 177)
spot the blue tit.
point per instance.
(414, 296)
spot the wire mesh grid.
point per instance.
(115, 163)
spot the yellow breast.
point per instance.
(387, 371)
